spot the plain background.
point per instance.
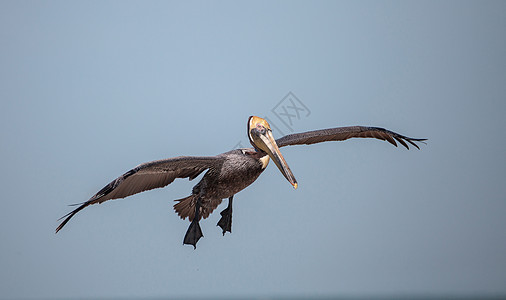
(89, 89)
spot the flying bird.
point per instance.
(226, 173)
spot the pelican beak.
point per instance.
(263, 139)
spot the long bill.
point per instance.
(267, 143)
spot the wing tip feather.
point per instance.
(69, 216)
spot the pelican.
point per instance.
(227, 173)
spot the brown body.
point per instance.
(240, 168)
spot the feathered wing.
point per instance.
(344, 133)
(147, 176)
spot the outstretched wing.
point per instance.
(344, 133)
(147, 176)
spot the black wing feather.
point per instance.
(147, 176)
(344, 133)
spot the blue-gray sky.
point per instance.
(89, 89)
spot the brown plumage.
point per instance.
(344, 133)
(227, 173)
(147, 176)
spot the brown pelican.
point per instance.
(227, 173)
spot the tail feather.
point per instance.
(186, 207)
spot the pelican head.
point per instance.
(260, 135)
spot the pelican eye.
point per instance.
(261, 129)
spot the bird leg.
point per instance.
(194, 232)
(226, 217)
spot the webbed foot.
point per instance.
(193, 234)
(226, 217)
